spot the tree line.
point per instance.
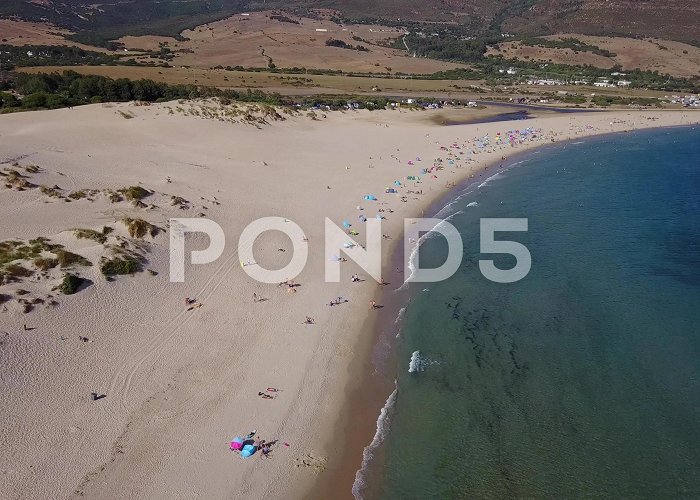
(59, 90)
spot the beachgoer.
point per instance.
(264, 396)
(372, 304)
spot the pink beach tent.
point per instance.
(237, 444)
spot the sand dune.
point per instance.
(179, 383)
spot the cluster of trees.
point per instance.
(12, 56)
(283, 19)
(58, 90)
(445, 46)
(607, 100)
(341, 102)
(567, 43)
(334, 42)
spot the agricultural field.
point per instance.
(259, 39)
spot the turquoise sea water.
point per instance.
(583, 379)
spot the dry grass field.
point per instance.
(256, 39)
(675, 58)
(13, 32)
(299, 84)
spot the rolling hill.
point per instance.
(98, 22)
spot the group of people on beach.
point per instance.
(265, 447)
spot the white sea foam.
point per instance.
(488, 180)
(414, 252)
(399, 316)
(446, 209)
(368, 452)
(416, 364)
(473, 204)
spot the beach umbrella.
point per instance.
(397, 183)
(346, 224)
(410, 162)
(248, 450)
(335, 258)
(236, 444)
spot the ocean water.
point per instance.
(581, 380)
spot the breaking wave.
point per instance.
(368, 452)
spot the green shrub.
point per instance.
(90, 234)
(78, 195)
(71, 283)
(45, 264)
(18, 271)
(66, 258)
(138, 228)
(120, 265)
(135, 193)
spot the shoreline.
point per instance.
(176, 376)
(364, 410)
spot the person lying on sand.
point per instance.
(265, 396)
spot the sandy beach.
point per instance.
(181, 381)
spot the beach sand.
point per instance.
(179, 383)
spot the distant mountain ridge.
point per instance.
(670, 19)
